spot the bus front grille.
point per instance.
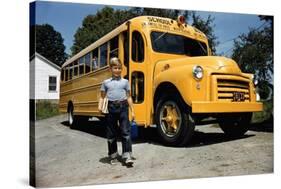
(232, 89)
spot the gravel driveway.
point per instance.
(66, 157)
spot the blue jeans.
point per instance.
(118, 112)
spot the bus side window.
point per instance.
(114, 47)
(62, 74)
(137, 87)
(66, 73)
(75, 67)
(95, 62)
(81, 65)
(126, 48)
(103, 55)
(137, 47)
(70, 71)
(87, 63)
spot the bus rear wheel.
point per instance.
(175, 125)
(235, 125)
(74, 120)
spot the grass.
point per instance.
(46, 109)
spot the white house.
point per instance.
(44, 79)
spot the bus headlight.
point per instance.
(255, 81)
(197, 72)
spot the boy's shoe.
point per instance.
(113, 161)
(129, 161)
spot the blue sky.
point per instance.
(67, 17)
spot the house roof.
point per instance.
(45, 60)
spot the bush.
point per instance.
(266, 114)
(46, 109)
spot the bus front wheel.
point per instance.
(235, 125)
(174, 123)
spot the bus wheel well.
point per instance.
(163, 89)
(69, 105)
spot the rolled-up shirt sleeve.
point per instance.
(127, 87)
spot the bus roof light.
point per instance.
(181, 19)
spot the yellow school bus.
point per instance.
(175, 81)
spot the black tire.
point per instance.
(175, 125)
(74, 120)
(235, 125)
(70, 116)
(103, 121)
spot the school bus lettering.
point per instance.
(159, 20)
(175, 81)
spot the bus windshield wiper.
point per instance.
(202, 47)
(159, 37)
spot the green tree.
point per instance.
(254, 53)
(168, 13)
(207, 27)
(48, 43)
(105, 20)
(96, 26)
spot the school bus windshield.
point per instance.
(165, 42)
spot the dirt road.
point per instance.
(66, 157)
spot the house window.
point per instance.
(52, 83)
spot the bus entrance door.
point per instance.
(137, 72)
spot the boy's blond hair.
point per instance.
(115, 62)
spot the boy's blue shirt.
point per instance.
(116, 88)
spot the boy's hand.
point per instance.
(130, 102)
(133, 115)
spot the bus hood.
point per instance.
(211, 64)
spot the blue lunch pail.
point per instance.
(134, 130)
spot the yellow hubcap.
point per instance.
(171, 117)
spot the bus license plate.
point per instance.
(238, 97)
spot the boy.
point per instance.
(117, 90)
